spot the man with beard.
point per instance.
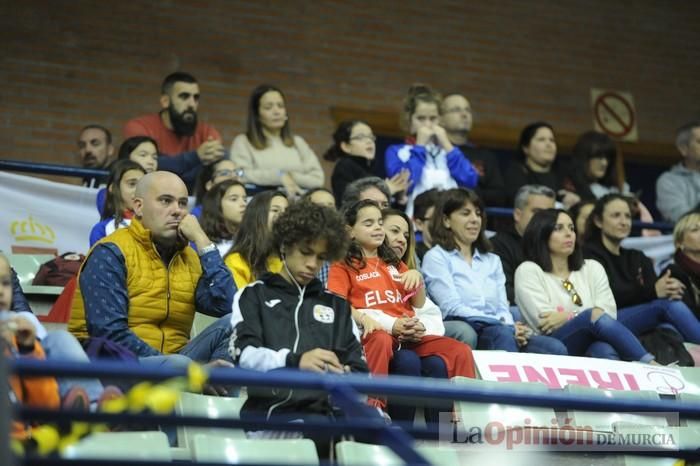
(95, 150)
(187, 143)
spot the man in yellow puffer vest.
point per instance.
(140, 286)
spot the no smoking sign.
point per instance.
(614, 114)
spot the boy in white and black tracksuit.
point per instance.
(275, 323)
(287, 320)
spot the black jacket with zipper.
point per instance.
(273, 325)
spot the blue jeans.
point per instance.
(61, 345)
(497, 336)
(461, 331)
(602, 350)
(579, 334)
(542, 344)
(647, 316)
(407, 362)
(211, 344)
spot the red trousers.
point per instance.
(380, 346)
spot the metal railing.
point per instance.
(345, 390)
(62, 170)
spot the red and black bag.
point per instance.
(58, 271)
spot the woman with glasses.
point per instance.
(354, 150)
(269, 154)
(645, 300)
(432, 160)
(568, 298)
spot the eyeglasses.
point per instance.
(363, 137)
(225, 172)
(458, 110)
(569, 287)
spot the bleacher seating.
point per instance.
(122, 445)
(200, 322)
(607, 422)
(213, 407)
(233, 451)
(480, 414)
(26, 266)
(363, 454)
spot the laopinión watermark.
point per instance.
(632, 432)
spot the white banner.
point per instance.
(44, 215)
(558, 371)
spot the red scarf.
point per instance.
(687, 264)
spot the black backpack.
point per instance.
(667, 347)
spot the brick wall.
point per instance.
(68, 63)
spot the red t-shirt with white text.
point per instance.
(375, 286)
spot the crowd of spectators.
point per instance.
(379, 276)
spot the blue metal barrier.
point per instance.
(50, 169)
(62, 170)
(345, 390)
(395, 385)
(662, 226)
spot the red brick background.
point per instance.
(64, 64)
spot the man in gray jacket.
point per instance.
(678, 190)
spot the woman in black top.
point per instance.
(644, 300)
(539, 165)
(354, 148)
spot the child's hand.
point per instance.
(7, 331)
(25, 333)
(400, 326)
(424, 134)
(414, 330)
(442, 139)
(368, 324)
(412, 280)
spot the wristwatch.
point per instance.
(208, 248)
(239, 173)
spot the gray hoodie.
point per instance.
(677, 192)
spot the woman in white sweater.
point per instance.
(563, 296)
(268, 154)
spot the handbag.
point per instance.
(58, 271)
(667, 347)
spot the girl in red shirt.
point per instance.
(388, 300)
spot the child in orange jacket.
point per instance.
(18, 340)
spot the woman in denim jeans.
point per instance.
(645, 300)
(563, 296)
